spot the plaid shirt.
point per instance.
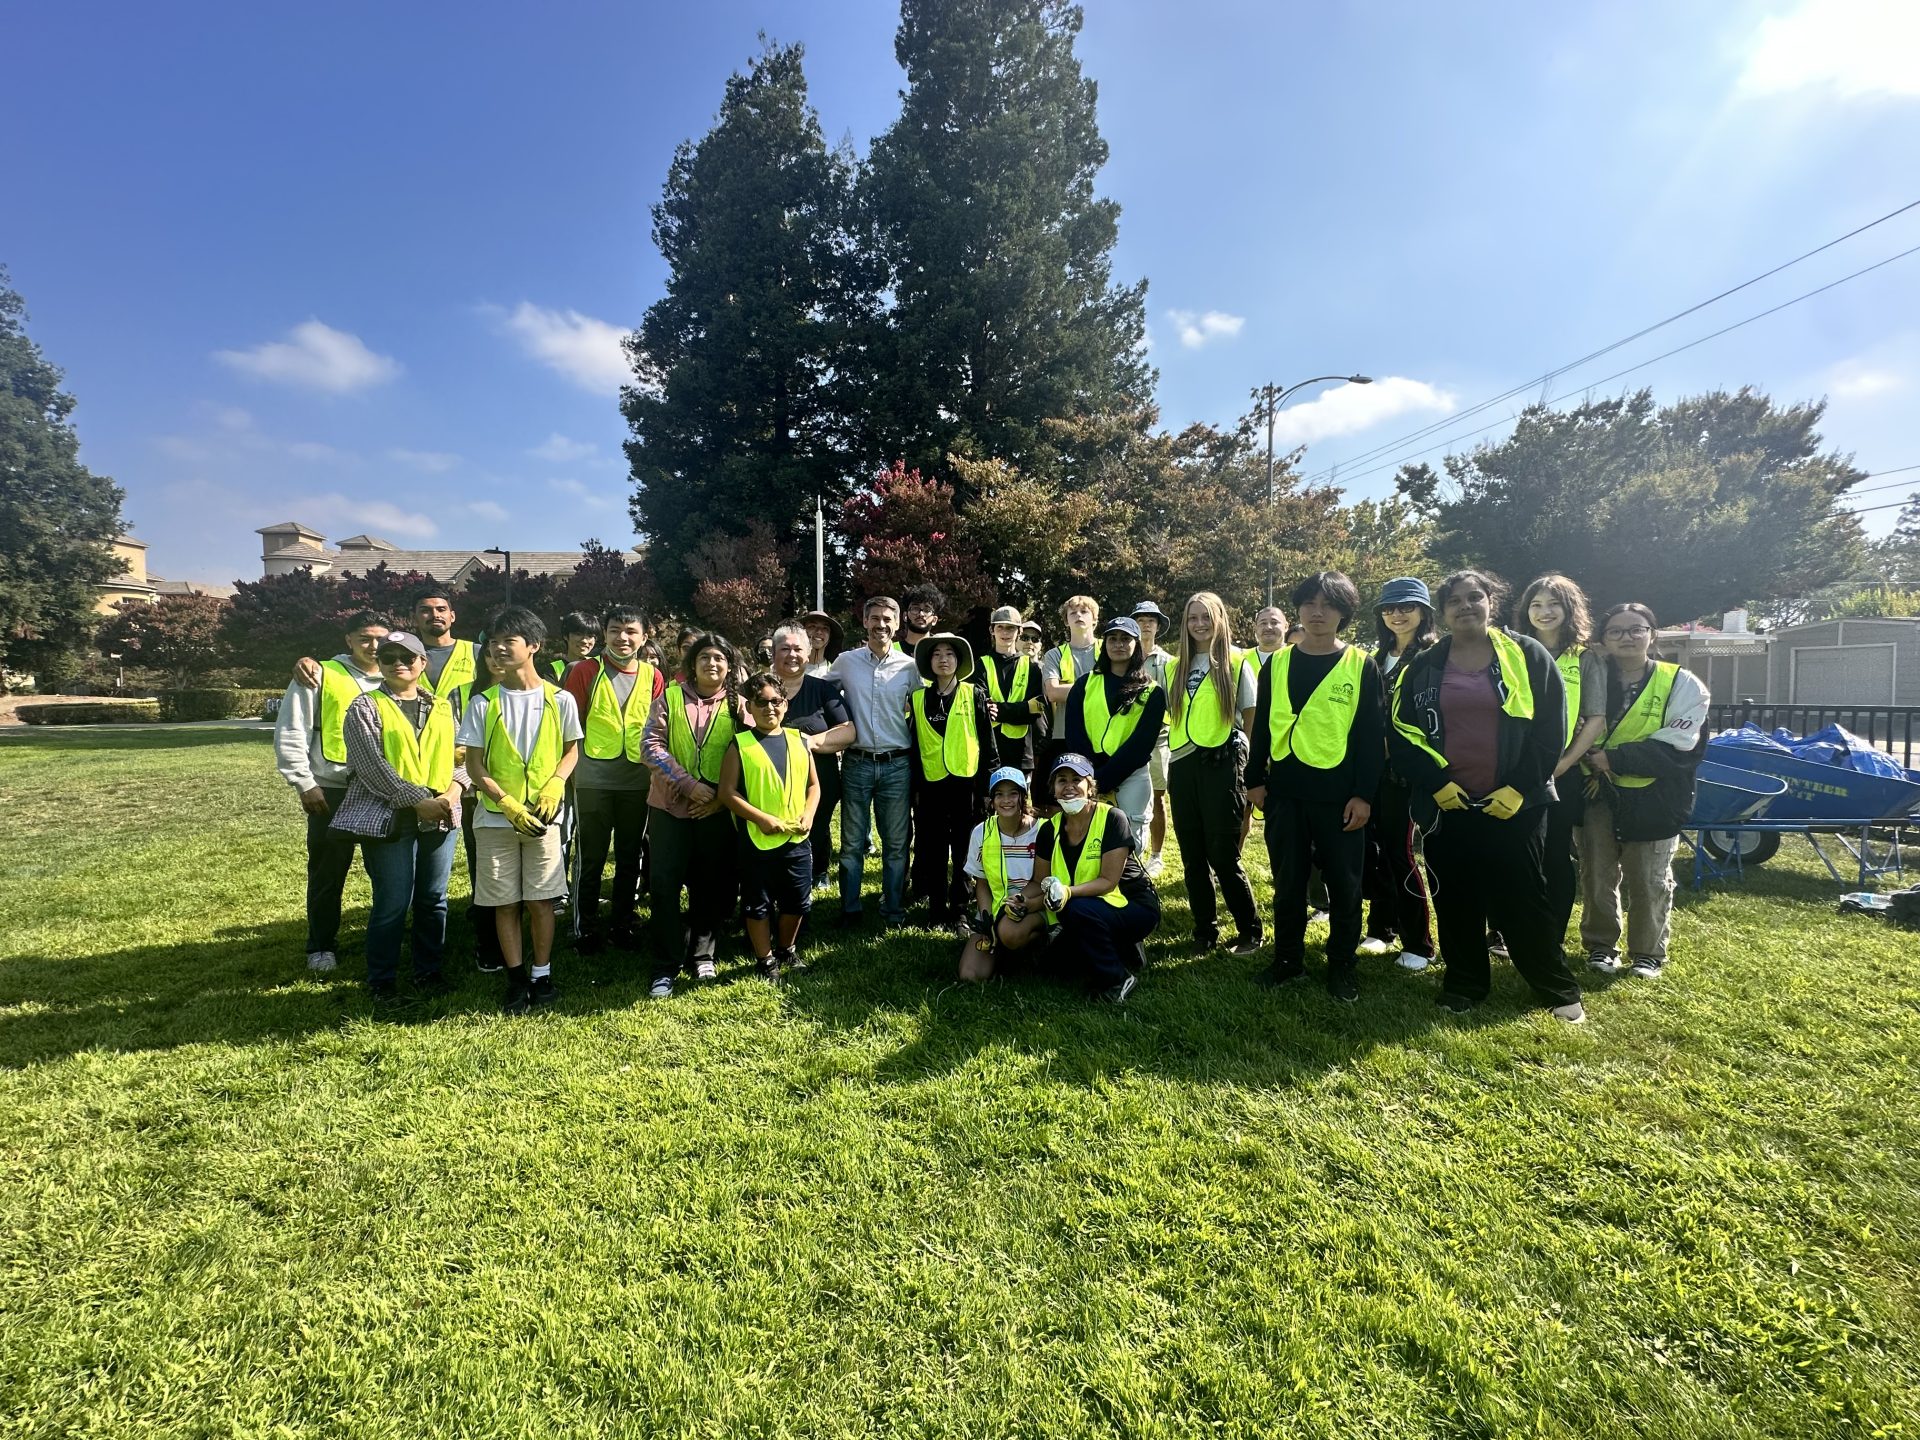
(379, 804)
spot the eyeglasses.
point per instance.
(1633, 634)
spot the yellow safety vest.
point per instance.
(1567, 662)
(701, 760)
(461, 668)
(1065, 652)
(1317, 736)
(1199, 719)
(611, 731)
(1516, 692)
(1646, 715)
(522, 776)
(958, 751)
(765, 790)
(419, 758)
(1106, 733)
(1087, 868)
(1019, 694)
(993, 859)
(339, 688)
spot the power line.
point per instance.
(1878, 473)
(1553, 374)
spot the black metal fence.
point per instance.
(1891, 728)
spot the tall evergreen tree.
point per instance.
(1004, 314)
(56, 516)
(737, 411)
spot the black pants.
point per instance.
(486, 939)
(1563, 874)
(1397, 900)
(1101, 944)
(1492, 872)
(826, 854)
(329, 861)
(697, 855)
(945, 812)
(1206, 803)
(1299, 833)
(618, 817)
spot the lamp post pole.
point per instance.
(1274, 396)
(506, 557)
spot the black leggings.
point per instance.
(1207, 804)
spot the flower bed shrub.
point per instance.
(214, 704)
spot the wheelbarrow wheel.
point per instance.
(1756, 847)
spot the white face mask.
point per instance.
(1074, 804)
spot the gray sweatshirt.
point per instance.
(296, 736)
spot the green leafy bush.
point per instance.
(92, 712)
(214, 704)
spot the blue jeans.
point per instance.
(879, 790)
(409, 871)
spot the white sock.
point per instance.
(540, 972)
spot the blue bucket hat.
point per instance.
(1406, 590)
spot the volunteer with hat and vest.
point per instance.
(951, 755)
(310, 751)
(403, 806)
(1114, 716)
(1000, 862)
(522, 738)
(1399, 904)
(1478, 722)
(1014, 699)
(1317, 748)
(1207, 708)
(692, 835)
(450, 662)
(1088, 881)
(1153, 623)
(769, 780)
(615, 692)
(1644, 765)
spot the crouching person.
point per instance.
(1000, 863)
(1088, 878)
(769, 780)
(402, 804)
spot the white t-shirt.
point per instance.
(520, 715)
(1016, 849)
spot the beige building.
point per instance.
(136, 582)
(291, 546)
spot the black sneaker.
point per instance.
(1457, 1004)
(1249, 945)
(1205, 940)
(541, 992)
(434, 984)
(384, 989)
(1276, 974)
(1117, 994)
(791, 961)
(589, 943)
(488, 964)
(519, 996)
(769, 967)
(1342, 987)
(625, 937)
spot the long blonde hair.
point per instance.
(1219, 654)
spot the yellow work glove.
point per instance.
(521, 818)
(547, 803)
(1450, 797)
(1505, 803)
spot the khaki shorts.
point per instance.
(510, 867)
(1157, 766)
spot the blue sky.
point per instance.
(366, 266)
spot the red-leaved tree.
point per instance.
(902, 531)
(176, 634)
(740, 583)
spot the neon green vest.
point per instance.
(1198, 719)
(765, 790)
(425, 758)
(461, 668)
(1087, 868)
(1018, 695)
(1567, 662)
(701, 760)
(522, 776)
(1318, 735)
(993, 859)
(1065, 652)
(958, 751)
(1106, 732)
(1516, 702)
(1643, 717)
(612, 732)
(339, 688)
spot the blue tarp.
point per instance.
(1830, 745)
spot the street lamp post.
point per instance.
(506, 556)
(1274, 397)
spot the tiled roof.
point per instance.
(289, 526)
(301, 550)
(367, 542)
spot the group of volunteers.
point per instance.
(1445, 787)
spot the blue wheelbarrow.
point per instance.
(1747, 799)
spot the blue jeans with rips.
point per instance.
(879, 789)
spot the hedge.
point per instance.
(93, 712)
(212, 704)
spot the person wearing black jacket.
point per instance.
(1479, 721)
(1114, 713)
(952, 757)
(1014, 699)
(1316, 755)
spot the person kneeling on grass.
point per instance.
(769, 780)
(1088, 878)
(522, 738)
(401, 805)
(1000, 861)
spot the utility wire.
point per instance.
(1555, 373)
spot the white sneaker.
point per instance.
(1574, 1014)
(1412, 960)
(321, 960)
(704, 970)
(1154, 866)
(1607, 962)
(1373, 945)
(1319, 917)
(1646, 967)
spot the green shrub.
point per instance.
(214, 704)
(92, 712)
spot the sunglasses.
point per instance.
(770, 700)
(1402, 608)
(400, 657)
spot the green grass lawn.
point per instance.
(237, 1201)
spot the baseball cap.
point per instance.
(1005, 615)
(1123, 624)
(401, 640)
(1005, 774)
(1078, 764)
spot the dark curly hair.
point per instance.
(1486, 580)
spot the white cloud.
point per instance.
(486, 509)
(315, 356)
(1857, 381)
(587, 351)
(598, 500)
(1197, 329)
(429, 462)
(380, 517)
(1349, 409)
(1853, 47)
(557, 449)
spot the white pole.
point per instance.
(819, 554)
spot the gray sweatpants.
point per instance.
(1641, 868)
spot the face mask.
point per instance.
(1074, 805)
